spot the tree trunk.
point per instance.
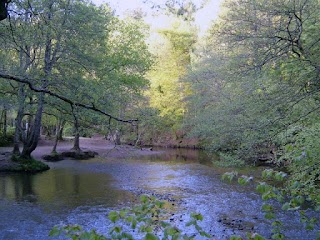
(117, 139)
(16, 141)
(58, 135)
(3, 9)
(33, 138)
(60, 132)
(76, 142)
(5, 122)
(19, 133)
(54, 149)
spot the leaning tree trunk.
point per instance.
(33, 138)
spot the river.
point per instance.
(83, 192)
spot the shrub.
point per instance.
(146, 217)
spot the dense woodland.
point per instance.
(248, 89)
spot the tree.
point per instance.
(3, 9)
(257, 76)
(183, 9)
(67, 52)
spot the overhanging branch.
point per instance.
(63, 98)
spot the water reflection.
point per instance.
(62, 187)
(16, 186)
(181, 155)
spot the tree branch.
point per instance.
(63, 98)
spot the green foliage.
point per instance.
(172, 48)
(252, 82)
(229, 160)
(148, 218)
(28, 165)
(75, 232)
(303, 155)
(290, 200)
(229, 175)
(8, 139)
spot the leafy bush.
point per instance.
(303, 158)
(229, 160)
(290, 200)
(148, 218)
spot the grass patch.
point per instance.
(28, 165)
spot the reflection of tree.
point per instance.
(18, 186)
(76, 184)
(60, 188)
(25, 183)
(3, 187)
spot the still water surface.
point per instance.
(83, 192)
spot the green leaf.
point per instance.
(310, 226)
(129, 219)
(113, 216)
(144, 199)
(164, 224)
(171, 231)
(269, 215)
(191, 222)
(204, 234)
(116, 229)
(123, 213)
(235, 238)
(243, 180)
(197, 216)
(267, 173)
(134, 224)
(150, 236)
(285, 206)
(263, 188)
(277, 223)
(127, 236)
(55, 231)
(159, 204)
(229, 176)
(267, 207)
(279, 176)
(278, 236)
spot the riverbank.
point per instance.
(101, 146)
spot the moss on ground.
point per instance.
(16, 164)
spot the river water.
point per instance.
(83, 192)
